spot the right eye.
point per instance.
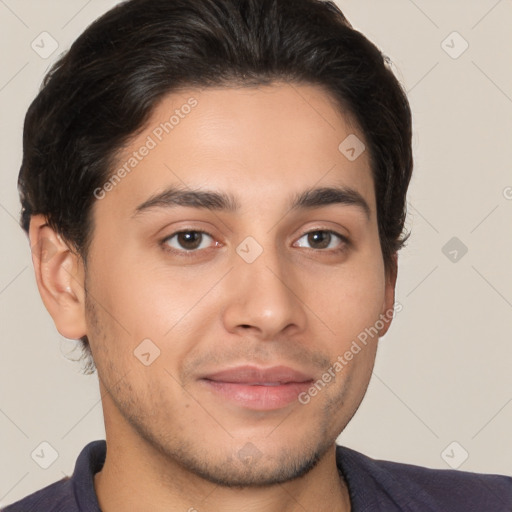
(186, 241)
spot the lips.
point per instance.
(258, 388)
(252, 375)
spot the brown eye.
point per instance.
(186, 241)
(326, 240)
(319, 239)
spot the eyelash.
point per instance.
(191, 253)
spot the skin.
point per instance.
(172, 442)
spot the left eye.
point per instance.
(323, 238)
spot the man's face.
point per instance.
(244, 288)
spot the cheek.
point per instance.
(349, 300)
(140, 300)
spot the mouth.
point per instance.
(261, 389)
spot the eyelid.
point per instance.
(344, 239)
(327, 230)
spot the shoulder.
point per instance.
(419, 488)
(57, 497)
(71, 494)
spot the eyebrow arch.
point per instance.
(325, 196)
(222, 201)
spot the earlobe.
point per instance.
(60, 278)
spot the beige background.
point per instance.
(443, 371)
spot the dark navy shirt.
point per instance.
(374, 486)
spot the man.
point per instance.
(215, 191)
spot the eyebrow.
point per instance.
(223, 201)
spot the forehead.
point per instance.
(259, 144)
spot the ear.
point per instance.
(389, 295)
(60, 278)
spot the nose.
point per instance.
(265, 297)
